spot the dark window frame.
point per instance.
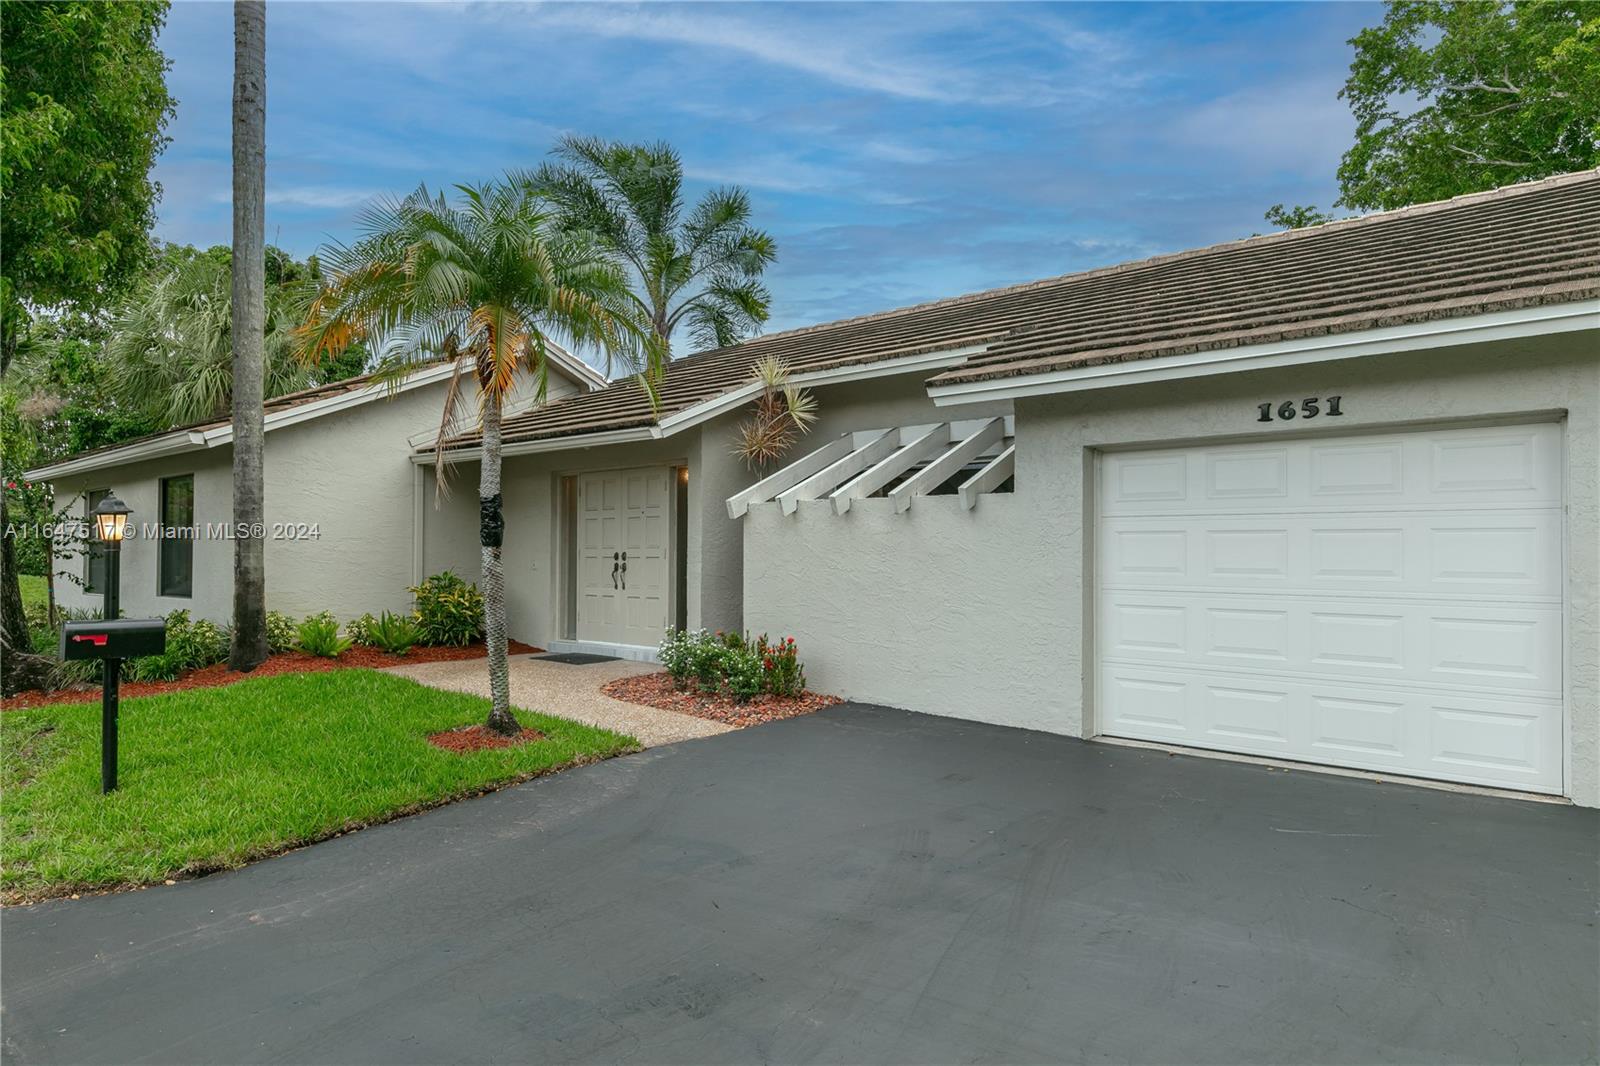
(170, 548)
(94, 552)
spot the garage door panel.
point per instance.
(1505, 554)
(1510, 743)
(1441, 644)
(1389, 601)
(1436, 470)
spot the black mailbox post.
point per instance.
(112, 639)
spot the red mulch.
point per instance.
(289, 662)
(480, 738)
(657, 690)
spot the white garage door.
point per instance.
(1390, 603)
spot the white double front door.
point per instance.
(623, 561)
(1388, 602)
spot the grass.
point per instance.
(213, 778)
(34, 592)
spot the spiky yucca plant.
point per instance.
(782, 412)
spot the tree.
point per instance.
(484, 283)
(702, 269)
(85, 107)
(171, 341)
(1296, 217)
(1455, 97)
(249, 648)
(782, 412)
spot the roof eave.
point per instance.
(1519, 322)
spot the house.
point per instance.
(342, 497)
(1330, 495)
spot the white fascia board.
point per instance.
(548, 444)
(576, 368)
(197, 439)
(166, 444)
(909, 364)
(1474, 329)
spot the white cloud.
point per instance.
(329, 196)
(1301, 127)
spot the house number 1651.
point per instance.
(1310, 407)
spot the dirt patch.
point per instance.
(480, 738)
(289, 662)
(657, 690)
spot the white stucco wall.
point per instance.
(982, 614)
(349, 473)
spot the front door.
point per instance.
(622, 555)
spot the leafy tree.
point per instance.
(483, 283)
(1455, 97)
(1296, 217)
(171, 342)
(702, 268)
(247, 334)
(84, 110)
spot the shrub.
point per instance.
(732, 663)
(191, 645)
(360, 630)
(781, 668)
(676, 654)
(319, 635)
(280, 632)
(394, 633)
(742, 673)
(449, 610)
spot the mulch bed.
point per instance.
(289, 662)
(480, 738)
(657, 690)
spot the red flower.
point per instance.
(11, 484)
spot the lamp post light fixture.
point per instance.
(111, 525)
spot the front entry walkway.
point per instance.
(857, 885)
(570, 692)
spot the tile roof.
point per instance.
(1519, 246)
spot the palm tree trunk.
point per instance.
(501, 720)
(248, 333)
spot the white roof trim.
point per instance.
(191, 440)
(721, 404)
(1472, 329)
(188, 440)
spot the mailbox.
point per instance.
(122, 638)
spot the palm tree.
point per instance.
(702, 268)
(483, 282)
(248, 331)
(171, 343)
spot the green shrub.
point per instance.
(743, 674)
(394, 633)
(360, 630)
(319, 635)
(191, 645)
(280, 632)
(732, 663)
(449, 610)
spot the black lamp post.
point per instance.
(111, 525)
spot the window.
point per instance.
(176, 571)
(94, 552)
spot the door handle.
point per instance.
(614, 565)
(624, 570)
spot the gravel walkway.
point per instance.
(570, 692)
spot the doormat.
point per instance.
(574, 658)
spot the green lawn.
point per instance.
(212, 778)
(34, 593)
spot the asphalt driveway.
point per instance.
(859, 885)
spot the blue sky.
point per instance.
(898, 152)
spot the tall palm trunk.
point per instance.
(248, 333)
(492, 525)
